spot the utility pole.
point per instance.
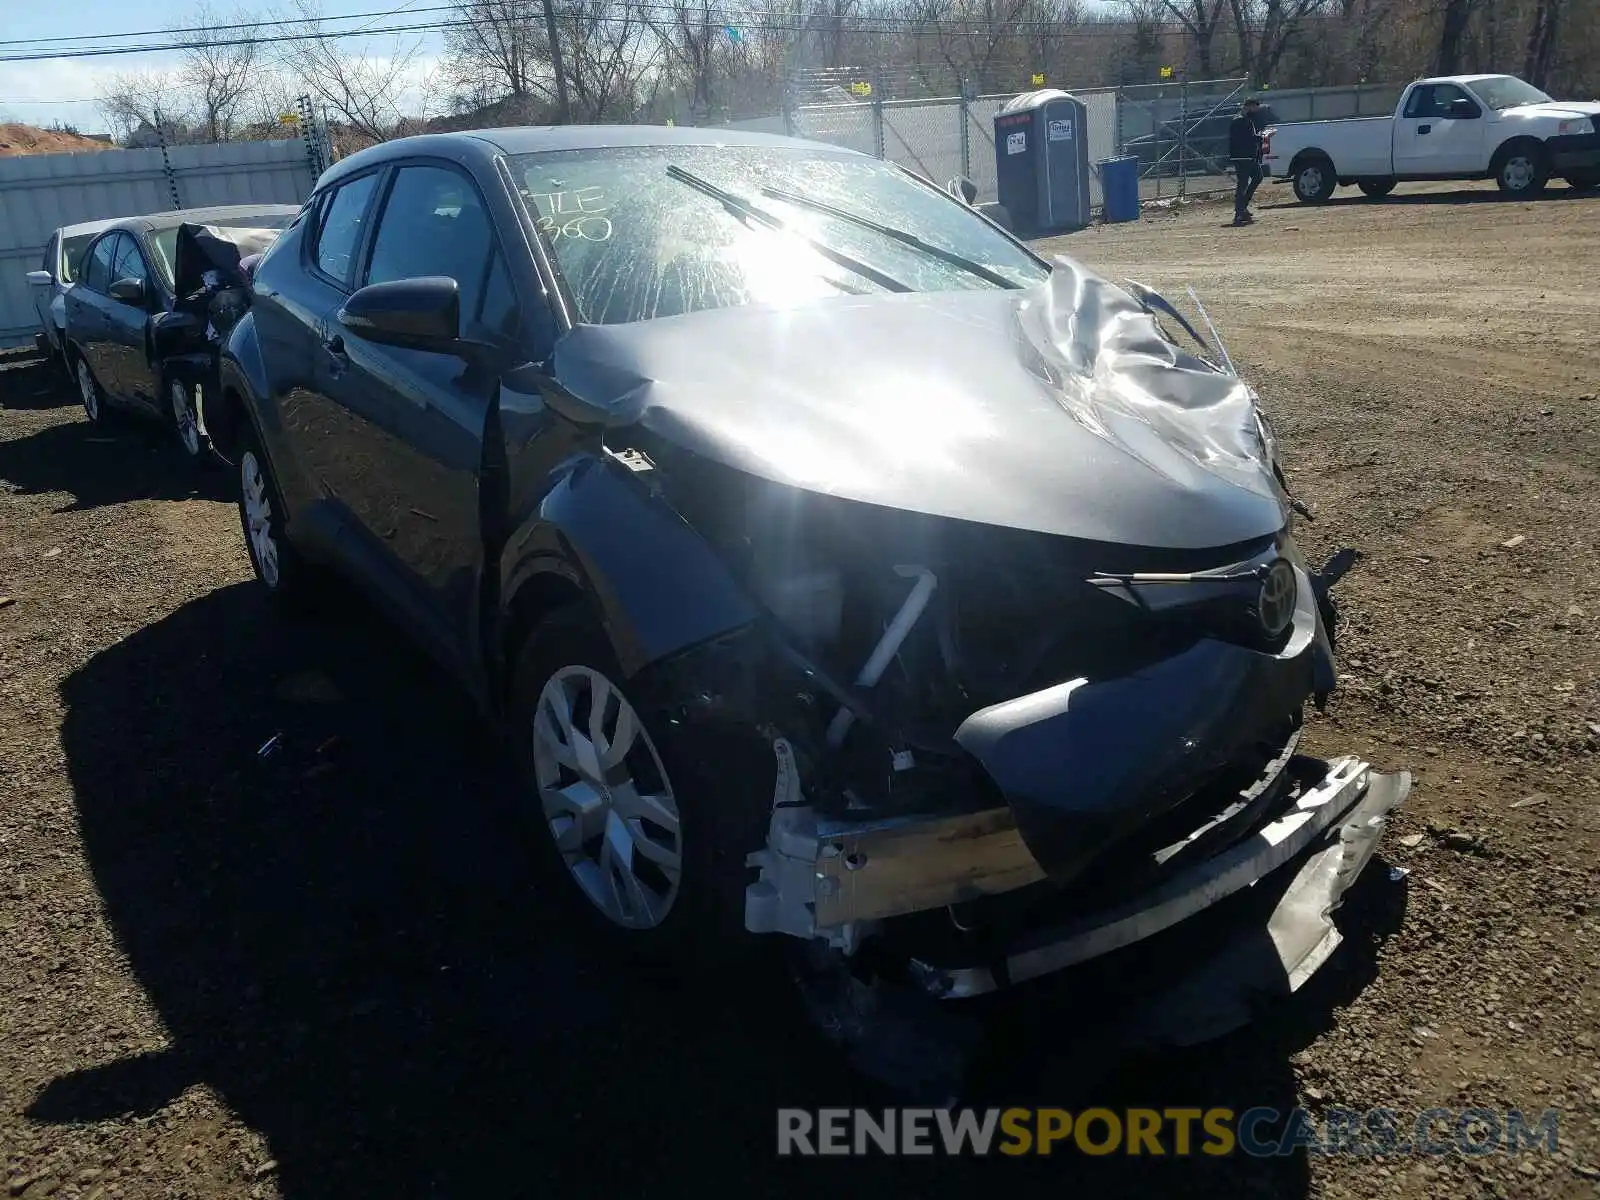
(563, 109)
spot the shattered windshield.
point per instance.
(1507, 91)
(635, 242)
(253, 232)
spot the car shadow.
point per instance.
(311, 858)
(125, 458)
(1557, 192)
(29, 381)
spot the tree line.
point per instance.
(551, 61)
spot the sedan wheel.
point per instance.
(181, 396)
(89, 391)
(255, 505)
(607, 802)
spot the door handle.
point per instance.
(1424, 128)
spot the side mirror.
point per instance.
(1463, 109)
(41, 278)
(418, 314)
(963, 189)
(129, 291)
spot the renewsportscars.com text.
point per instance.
(1259, 1132)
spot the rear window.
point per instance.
(635, 242)
(72, 249)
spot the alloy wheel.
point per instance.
(88, 391)
(183, 417)
(258, 518)
(606, 798)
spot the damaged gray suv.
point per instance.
(839, 570)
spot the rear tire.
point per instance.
(1522, 169)
(640, 845)
(1314, 181)
(1376, 189)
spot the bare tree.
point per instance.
(1200, 19)
(364, 91)
(606, 51)
(504, 51)
(1264, 29)
(132, 100)
(1542, 41)
(219, 70)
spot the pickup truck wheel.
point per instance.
(639, 827)
(1376, 189)
(1521, 169)
(1314, 181)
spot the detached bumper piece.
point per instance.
(1574, 152)
(1308, 855)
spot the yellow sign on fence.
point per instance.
(1038, 79)
(861, 88)
(1166, 72)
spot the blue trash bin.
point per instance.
(1119, 184)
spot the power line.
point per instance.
(854, 25)
(264, 24)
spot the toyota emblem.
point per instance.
(1275, 605)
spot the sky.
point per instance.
(43, 92)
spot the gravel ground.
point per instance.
(318, 973)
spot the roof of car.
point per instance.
(534, 139)
(83, 227)
(200, 216)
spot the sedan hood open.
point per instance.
(1062, 408)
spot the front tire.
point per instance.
(262, 516)
(1376, 189)
(639, 826)
(185, 420)
(1314, 181)
(1584, 181)
(1522, 170)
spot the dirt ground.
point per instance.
(319, 972)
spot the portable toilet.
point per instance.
(1041, 152)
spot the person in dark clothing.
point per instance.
(1244, 149)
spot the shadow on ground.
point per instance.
(28, 380)
(1557, 192)
(341, 941)
(125, 458)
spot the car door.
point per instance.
(412, 476)
(130, 324)
(89, 312)
(1430, 140)
(44, 296)
(292, 304)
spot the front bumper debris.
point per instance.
(1333, 829)
(840, 881)
(1574, 152)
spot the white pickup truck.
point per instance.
(1454, 127)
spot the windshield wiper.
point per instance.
(968, 265)
(740, 207)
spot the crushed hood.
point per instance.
(219, 248)
(1062, 408)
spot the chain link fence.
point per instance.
(1178, 131)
